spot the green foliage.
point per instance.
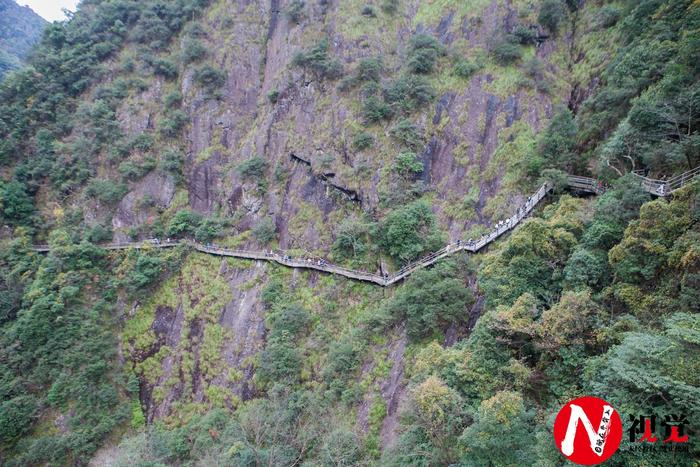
(344, 359)
(500, 420)
(369, 69)
(525, 34)
(374, 110)
(409, 231)
(533, 257)
(165, 68)
(352, 238)
(317, 60)
(254, 170)
(654, 71)
(192, 51)
(67, 356)
(653, 371)
(654, 265)
(424, 51)
(172, 99)
(551, 15)
(147, 268)
(106, 191)
(557, 144)
(16, 417)
(408, 164)
(409, 93)
(368, 11)
(465, 69)
(390, 7)
(273, 96)
(209, 78)
(407, 133)
(99, 234)
(16, 206)
(362, 141)
(607, 16)
(588, 264)
(505, 51)
(184, 222)
(132, 170)
(295, 11)
(208, 230)
(173, 123)
(431, 300)
(280, 361)
(172, 162)
(265, 231)
(433, 421)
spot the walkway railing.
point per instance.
(305, 261)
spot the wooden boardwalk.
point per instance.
(576, 183)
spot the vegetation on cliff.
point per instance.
(372, 134)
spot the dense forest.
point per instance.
(370, 133)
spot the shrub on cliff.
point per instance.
(362, 141)
(410, 231)
(374, 110)
(253, 168)
(465, 69)
(172, 123)
(265, 231)
(106, 190)
(408, 93)
(295, 11)
(209, 78)
(407, 133)
(184, 222)
(551, 14)
(317, 60)
(192, 51)
(423, 53)
(432, 299)
(506, 50)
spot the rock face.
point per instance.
(155, 189)
(466, 129)
(204, 341)
(475, 132)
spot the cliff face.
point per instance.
(475, 136)
(369, 133)
(265, 125)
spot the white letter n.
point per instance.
(577, 413)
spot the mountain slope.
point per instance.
(369, 134)
(20, 29)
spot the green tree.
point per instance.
(409, 231)
(184, 222)
(431, 300)
(352, 238)
(16, 205)
(558, 142)
(500, 433)
(551, 15)
(432, 423)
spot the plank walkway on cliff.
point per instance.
(580, 184)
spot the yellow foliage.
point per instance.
(432, 397)
(502, 407)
